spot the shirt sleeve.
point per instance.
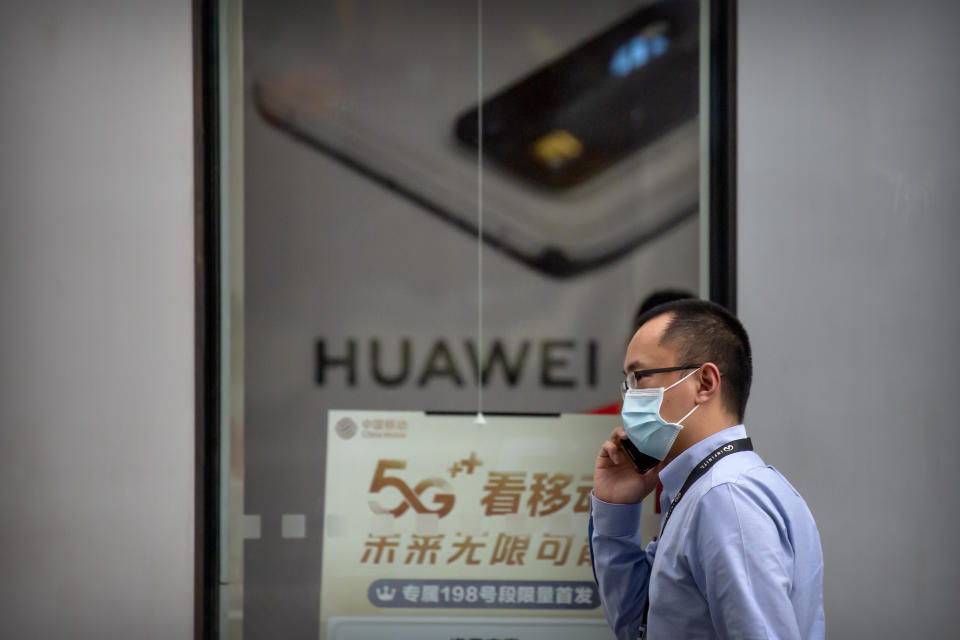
(621, 564)
(742, 561)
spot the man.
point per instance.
(738, 554)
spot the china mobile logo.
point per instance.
(346, 428)
(411, 497)
(728, 448)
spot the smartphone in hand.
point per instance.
(641, 461)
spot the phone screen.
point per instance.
(588, 109)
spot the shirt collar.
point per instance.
(676, 472)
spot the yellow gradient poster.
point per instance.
(438, 527)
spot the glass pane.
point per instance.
(360, 281)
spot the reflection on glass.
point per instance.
(360, 278)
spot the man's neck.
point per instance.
(698, 431)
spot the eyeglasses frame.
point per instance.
(624, 387)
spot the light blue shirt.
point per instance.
(740, 558)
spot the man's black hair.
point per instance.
(656, 298)
(701, 331)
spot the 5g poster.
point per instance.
(438, 527)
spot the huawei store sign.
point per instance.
(569, 363)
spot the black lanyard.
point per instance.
(718, 454)
(702, 467)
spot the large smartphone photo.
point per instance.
(589, 153)
(593, 107)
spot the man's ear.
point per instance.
(710, 382)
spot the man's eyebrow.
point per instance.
(636, 365)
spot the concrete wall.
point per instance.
(96, 319)
(849, 150)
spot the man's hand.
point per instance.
(615, 479)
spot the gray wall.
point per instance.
(848, 157)
(848, 162)
(96, 319)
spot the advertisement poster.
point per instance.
(438, 527)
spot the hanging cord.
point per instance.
(480, 350)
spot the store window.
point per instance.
(438, 221)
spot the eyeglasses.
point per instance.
(632, 380)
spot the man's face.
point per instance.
(645, 352)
